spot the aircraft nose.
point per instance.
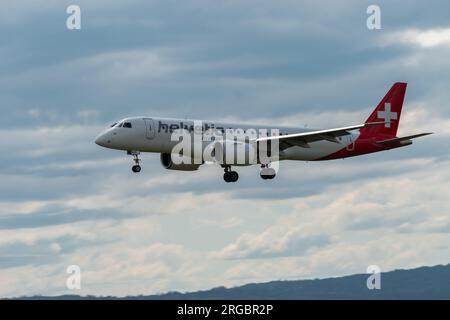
(101, 140)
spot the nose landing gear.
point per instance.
(230, 176)
(136, 168)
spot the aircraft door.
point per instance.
(150, 128)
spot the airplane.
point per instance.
(378, 133)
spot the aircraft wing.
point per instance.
(303, 139)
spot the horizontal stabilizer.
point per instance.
(400, 139)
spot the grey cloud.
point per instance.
(268, 59)
(58, 216)
(41, 252)
(273, 244)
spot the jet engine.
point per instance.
(166, 161)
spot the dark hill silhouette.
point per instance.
(419, 283)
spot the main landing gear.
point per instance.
(266, 172)
(136, 168)
(230, 176)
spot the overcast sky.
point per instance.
(65, 201)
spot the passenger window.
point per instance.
(127, 125)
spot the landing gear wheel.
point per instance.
(230, 176)
(136, 168)
(226, 177)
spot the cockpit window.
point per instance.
(121, 124)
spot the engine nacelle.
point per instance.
(166, 161)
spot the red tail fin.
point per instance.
(389, 110)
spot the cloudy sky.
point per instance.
(65, 201)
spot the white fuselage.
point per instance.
(145, 134)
